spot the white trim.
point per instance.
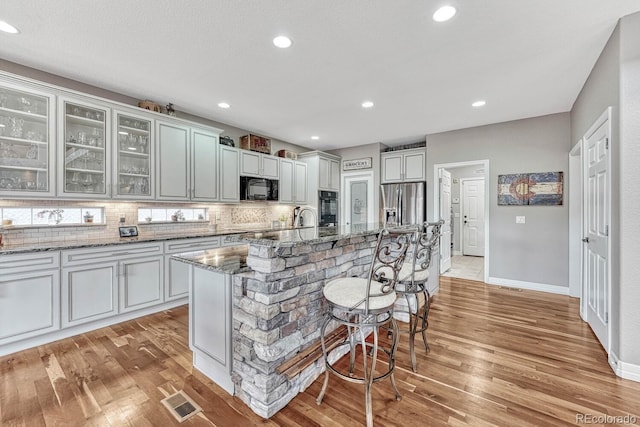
(532, 286)
(436, 201)
(484, 184)
(624, 370)
(576, 227)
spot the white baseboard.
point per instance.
(457, 253)
(532, 286)
(624, 370)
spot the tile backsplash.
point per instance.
(251, 216)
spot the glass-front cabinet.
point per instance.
(26, 143)
(84, 138)
(133, 156)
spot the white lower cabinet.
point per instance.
(100, 283)
(29, 296)
(141, 283)
(176, 273)
(90, 292)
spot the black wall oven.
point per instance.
(258, 188)
(328, 208)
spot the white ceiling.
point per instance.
(525, 57)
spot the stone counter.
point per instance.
(278, 310)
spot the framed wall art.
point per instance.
(540, 189)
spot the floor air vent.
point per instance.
(181, 406)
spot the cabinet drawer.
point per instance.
(109, 253)
(189, 245)
(10, 264)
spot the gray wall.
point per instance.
(537, 251)
(53, 79)
(629, 172)
(360, 152)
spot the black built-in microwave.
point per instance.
(252, 188)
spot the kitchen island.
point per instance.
(278, 306)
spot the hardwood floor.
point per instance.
(498, 357)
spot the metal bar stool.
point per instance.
(412, 285)
(363, 305)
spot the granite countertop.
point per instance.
(230, 260)
(9, 248)
(306, 236)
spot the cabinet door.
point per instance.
(27, 154)
(210, 325)
(204, 165)
(270, 167)
(392, 167)
(300, 183)
(141, 283)
(172, 171)
(177, 285)
(132, 154)
(287, 181)
(89, 293)
(414, 167)
(250, 163)
(29, 304)
(324, 174)
(229, 176)
(84, 156)
(334, 175)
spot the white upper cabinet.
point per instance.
(403, 165)
(229, 174)
(173, 158)
(204, 165)
(187, 164)
(329, 170)
(293, 182)
(27, 150)
(133, 156)
(84, 159)
(259, 165)
(323, 173)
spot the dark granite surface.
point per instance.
(9, 249)
(231, 260)
(307, 236)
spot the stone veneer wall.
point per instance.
(278, 310)
(249, 215)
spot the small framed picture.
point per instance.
(128, 231)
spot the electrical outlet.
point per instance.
(520, 219)
(218, 216)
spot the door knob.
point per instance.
(586, 240)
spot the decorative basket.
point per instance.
(255, 143)
(149, 105)
(287, 154)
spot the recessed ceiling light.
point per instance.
(479, 103)
(367, 104)
(315, 137)
(282, 42)
(132, 148)
(8, 28)
(224, 105)
(122, 132)
(444, 13)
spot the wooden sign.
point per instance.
(349, 165)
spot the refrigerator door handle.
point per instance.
(399, 214)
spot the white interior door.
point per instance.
(596, 274)
(473, 217)
(445, 214)
(358, 199)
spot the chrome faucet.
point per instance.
(296, 223)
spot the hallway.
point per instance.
(466, 267)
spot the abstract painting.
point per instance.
(543, 188)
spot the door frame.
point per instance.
(371, 193)
(436, 200)
(576, 224)
(461, 219)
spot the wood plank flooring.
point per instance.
(498, 357)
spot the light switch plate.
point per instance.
(520, 219)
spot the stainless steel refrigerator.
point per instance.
(404, 204)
